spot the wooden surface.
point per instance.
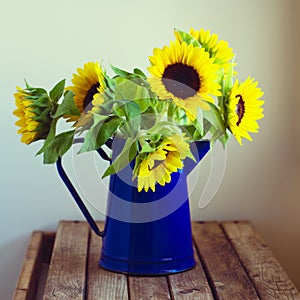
(233, 262)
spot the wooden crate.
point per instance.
(233, 262)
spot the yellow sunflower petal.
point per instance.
(185, 74)
(34, 121)
(244, 109)
(88, 87)
(158, 166)
(218, 49)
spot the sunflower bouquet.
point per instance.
(192, 93)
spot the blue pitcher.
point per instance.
(145, 233)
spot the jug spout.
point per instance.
(199, 150)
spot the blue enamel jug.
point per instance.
(145, 233)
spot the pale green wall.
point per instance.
(44, 41)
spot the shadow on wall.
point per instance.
(12, 255)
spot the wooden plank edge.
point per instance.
(28, 280)
(233, 230)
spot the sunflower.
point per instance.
(157, 166)
(88, 87)
(186, 75)
(217, 49)
(34, 119)
(244, 109)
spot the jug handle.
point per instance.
(63, 175)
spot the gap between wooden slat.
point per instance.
(48, 243)
(228, 278)
(269, 278)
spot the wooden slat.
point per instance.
(227, 277)
(66, 276)
(28, 279)
(21, 295)
(103, 284)
(237, 264)
(191, 284)
(144, 288)
(268, 276)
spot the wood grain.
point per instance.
(227, 276)
(21, 295)
(268, 276)
(27, 283)
(67, 270)
(233, 262)
(103, 284)
(192, 284)
(144, 288)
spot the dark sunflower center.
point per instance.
(240, 109)
(90, 94)
(181, 80)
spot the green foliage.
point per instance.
(67, 107)
(129, 89)
(47, 110)
(139, 72)
(124, 158)
(100, 132)
(120, 72)
(216, 125)
(50, 137)
(58, 146)
(57, 91)
(131, 112)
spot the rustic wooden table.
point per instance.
(233, 262)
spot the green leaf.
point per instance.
(128, 109)
(195, 129)
(224, 138)
(143, 103)
(216, 134)
(193, 132)
(132, 113)
(58, 146)
(124, 158)
(228, 83)
(214, 117)
(165, 128)
(120, 72)
(67, 107)
(100, 132)
(57, 91)
(146, 148)
(41, 102)
(50, 137)
(130, 90)
(189, 39)
(35, 91)
(139, 72)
